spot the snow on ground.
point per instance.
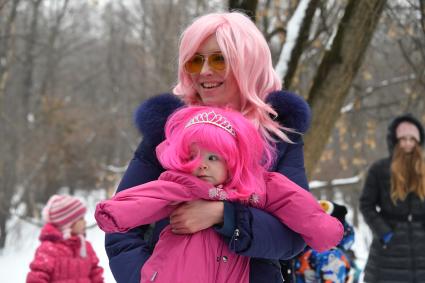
(23, 240)
(363, 239)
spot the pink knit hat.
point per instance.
(407, 129)
(63, 210)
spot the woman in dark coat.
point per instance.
(393, 205)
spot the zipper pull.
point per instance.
(154, 276)
(234, 238)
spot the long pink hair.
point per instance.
(246, 154)
(247, 55)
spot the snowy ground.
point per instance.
(23, 240)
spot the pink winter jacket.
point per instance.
(58, 261)
(204, 256)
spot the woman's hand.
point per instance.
(194, 216)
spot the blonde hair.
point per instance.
(407, 174)
(248, 55)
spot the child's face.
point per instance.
(79, 227)
(212, 168)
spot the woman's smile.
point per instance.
(211, 85)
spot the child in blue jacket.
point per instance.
(333, 266)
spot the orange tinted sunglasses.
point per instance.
(215, 61)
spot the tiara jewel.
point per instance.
(213, 119)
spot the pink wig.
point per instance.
(246, 154)
(247, 56)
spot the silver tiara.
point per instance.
(213, 119)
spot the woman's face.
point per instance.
(405, 133)
(407, 143)
(213, 86)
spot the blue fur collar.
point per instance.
(292, 110)
(151, 115)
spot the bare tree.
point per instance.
(300, 43)
(247, 6)
(29, 57)
(336, 72)
(8, 147)
(52, 51)
(337, 69)
(387, 85)
(6, 39)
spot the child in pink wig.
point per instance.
(213, 154)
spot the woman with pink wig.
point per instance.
(213, 154)
(224, 61)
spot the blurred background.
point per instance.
(73, 72)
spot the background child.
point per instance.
(64, 255)
(212, 154)
(336, 265)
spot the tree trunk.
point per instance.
(8, 146)
(336, 72)
(249, 7)
(8, 184)
(28, 81)
(7, 47)
(302, 39)
(53, 58)
(3, 234)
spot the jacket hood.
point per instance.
(50, 233)
(391, 132)
(150, 117)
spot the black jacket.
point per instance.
(403, 258)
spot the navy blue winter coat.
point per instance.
(249, 231)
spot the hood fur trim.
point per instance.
(293, 111)
(151, 116)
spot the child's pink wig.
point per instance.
(247, 154)
(247, 56)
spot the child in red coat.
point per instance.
(64, 255)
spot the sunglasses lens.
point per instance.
(194, 65)
(216, 61)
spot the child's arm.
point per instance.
(301, 212)
(42, 264)
(149, 202)
(127, 252)
(139, 205)
(96, 272)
